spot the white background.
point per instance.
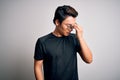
(23, 21)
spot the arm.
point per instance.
(38, 69)
(85, 52)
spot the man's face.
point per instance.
(66, 26)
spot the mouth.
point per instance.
(68, 32)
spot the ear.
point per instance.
(57, 23)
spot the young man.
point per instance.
(57, 51)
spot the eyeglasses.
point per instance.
(69, 26)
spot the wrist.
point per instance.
(80, 38)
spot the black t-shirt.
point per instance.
(59, 56)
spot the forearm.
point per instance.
(85, 52)
(38, 73)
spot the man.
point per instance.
(57, 51)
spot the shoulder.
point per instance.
(44, 38)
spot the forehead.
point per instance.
(69, 20)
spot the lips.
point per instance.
(68, 32)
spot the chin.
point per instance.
(67, 34)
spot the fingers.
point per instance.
(77, 27)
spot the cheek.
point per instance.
(64, 28)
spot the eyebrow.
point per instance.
(67, 23)
(70, 24)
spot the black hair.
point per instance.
(63, 11)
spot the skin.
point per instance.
(63, 30)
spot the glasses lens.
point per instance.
(70, 27)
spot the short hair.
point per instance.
(64, 11)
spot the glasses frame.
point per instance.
(69, 26)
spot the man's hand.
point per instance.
(79, 31)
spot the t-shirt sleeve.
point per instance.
(78, 47)
(39, 52)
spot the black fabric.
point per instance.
(59, 56)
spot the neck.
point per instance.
(57, 33)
